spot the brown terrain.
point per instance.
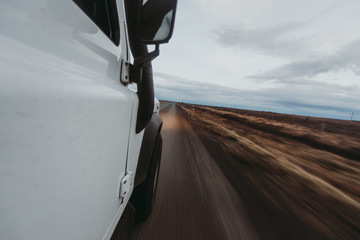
(237, 174)
(299, 177)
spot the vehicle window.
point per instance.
(104, 14)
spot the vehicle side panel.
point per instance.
(65, 121)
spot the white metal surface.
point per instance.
(156, 105)
(127, 185)
(65, 121)
(124, 71)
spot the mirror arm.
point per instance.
(140, 62)
(144, 60)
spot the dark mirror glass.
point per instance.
(156, 21)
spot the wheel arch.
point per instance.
(147, 147)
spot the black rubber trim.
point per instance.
(125, 226)
(147, 146)
(146, 86)
(146, 98)
(144, 195)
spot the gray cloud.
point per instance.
(347, 58)
(316, 100)
(280, 40)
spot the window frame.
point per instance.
(112, 18)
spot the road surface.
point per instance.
(194, 198)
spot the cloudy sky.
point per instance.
(289, 56)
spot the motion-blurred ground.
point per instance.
(233, 174)
(299, 177)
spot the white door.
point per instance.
(64, 122)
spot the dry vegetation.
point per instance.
(306, 176)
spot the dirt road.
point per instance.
(194, 198)
(296, 180)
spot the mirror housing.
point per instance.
(155, 22)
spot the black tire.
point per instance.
(143, 197)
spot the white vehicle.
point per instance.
(79, 150)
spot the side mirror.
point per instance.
(155, 21)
